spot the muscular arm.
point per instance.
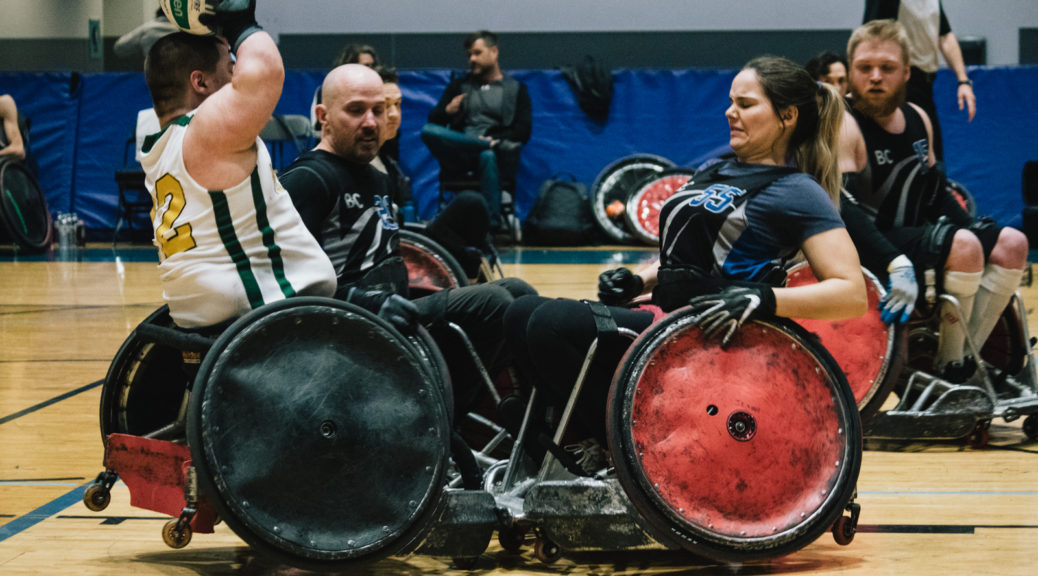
(9, 114)
(648, 275)
(220, 144)
(852, 151)
(931, 157)
(840, 292)
(874, 250)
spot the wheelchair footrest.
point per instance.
(587, 514)
(923, 425)
(464, 525)
(155, 471)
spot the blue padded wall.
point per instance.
(80, 124)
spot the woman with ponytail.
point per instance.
(726, 240)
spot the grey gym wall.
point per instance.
(655, 33)
(41, 35)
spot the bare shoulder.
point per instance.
(852, 153)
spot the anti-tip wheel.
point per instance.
(511, 539)
(546, 551)
(844, 530)
(1030, 426)
(174, 536)
(97, 497)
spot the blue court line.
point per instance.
(46, 403)
(40, 514)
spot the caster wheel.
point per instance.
(844, 530)
(1031, 426)
(511, 539)
(175, 537)
(980, 435)
(465, 563)
(96, 497)
(546, 551)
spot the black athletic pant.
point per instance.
(549, 340)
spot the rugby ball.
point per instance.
(184, 15)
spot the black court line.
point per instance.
(937, 528)
(1012, 449)
(111, 520)
(50, 402)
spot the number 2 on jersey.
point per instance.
(171, 239)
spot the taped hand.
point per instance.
(235, 20)
(618, 286)
(723, 313)
(899, 302)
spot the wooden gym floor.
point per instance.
(937, 509)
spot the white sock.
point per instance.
(997, 287)
(963, 287)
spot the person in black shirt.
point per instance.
(345, 203)
(929, 34)
(886, 145)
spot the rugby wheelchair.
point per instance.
(25, 219)
(293, 415)
(879, 359)
(320, 435)
(737, 454)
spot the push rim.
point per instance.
(870, 352)
(23, 208)
(734, 470)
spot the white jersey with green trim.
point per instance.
(223, 253)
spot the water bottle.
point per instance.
(407, 212)
(66, 230)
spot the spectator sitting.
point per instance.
(481, 122)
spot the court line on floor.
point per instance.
(23, 523)
(50, 402)
(66, 308)
(947, 493)
(74, 496)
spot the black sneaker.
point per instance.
(959, 372)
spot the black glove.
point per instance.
(393, 308)
(618, 286)
(235, 20)
(726, 311)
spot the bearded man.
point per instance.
(890, 172)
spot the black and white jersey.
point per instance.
(347, 207)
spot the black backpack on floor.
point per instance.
(561, 215)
